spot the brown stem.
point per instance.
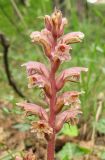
(51, 143)
(5, 43)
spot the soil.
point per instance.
(12, 139)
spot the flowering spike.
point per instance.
(71, 74)
(35, 109)
(57, 48)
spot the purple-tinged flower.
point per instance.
(67, 98)
(68, 116)
(44, 38)
(73, 37)
(62, 52)
(42, 129)
(33, 68)
(35, 109)
(71, 74)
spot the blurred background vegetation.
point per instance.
(18, 18)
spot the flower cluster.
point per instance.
(57, 48)
(42, 129)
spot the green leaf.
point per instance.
(69, 130)
(71, 150)
(100, 126)
(31, 118)
(17, 110)
(5, 110)
(22, 127)
(9, 155)
(102, 155)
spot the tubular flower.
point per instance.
(69, 116)
(38, 75)
(44, 38)
(71, 74)
(42, 129)
(33, 67)
(35, 109)
(73, 37)
(55, 23)
(62, 52)
(67, 98)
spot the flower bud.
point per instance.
(48, 22)
(56, 18)
(55, 23)
(63, 24)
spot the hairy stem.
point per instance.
(51, 143)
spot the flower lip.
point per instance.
(36, 80)
(81, 35)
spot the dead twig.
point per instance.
(5, 44)
(99, 110)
